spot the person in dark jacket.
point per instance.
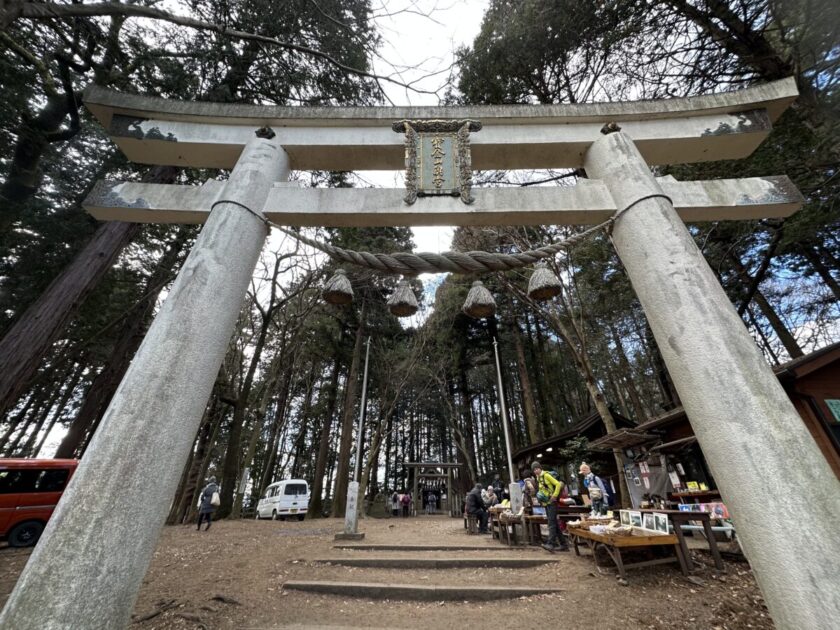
(206, 507)
(475, 507)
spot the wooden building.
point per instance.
(664, 450)
(549, 451)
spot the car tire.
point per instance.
(301, 517)
(25, 534)
(257, 515)
(273, 515)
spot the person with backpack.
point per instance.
(596, 489)
(207, 503)
(548, 495)
(406, 504)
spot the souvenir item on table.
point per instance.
(616, 529)
(660, 523)
(692, 486)
(718, 510)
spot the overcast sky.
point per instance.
(425, 47)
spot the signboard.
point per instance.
(834, 406)
(437, 158)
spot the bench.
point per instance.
(471, 523)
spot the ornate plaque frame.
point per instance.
(460, 130)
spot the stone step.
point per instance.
(420, 592)
(393, 547)
(438, 563)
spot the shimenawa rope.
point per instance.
(411, 264)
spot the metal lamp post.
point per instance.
(513, 488)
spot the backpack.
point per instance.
(595, 492)
(544, 498)
(406, 500)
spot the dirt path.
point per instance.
(232, 577)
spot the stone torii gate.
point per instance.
(89, 565)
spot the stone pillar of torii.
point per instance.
(783, 497)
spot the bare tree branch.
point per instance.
(47, 11)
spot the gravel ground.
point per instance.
(232, 577)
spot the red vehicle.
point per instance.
(29, 492)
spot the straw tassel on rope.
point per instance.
(543, 284)
(402, 302)
(479, 303)
(338, 290)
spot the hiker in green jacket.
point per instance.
(548, 494)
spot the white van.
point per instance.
(284, 498)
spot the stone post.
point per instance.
(355, 503)
(89, 565)
(784, 498)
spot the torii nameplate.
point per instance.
(437, 158)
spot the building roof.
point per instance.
(804, 365)
(589, 423)
(792, 370)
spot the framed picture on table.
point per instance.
(648, 522)
(624, 516)
(636, 519)
(660, 523)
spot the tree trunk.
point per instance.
(627, 378)
(822, 270)
(316, 506)
(276, 425)
(768, 311)
(535, 433)
(207, 435)
(35, 398)
(26, 342)
(135, 323)
(342, 475)
(28, 449)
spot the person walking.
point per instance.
(548, 495)
(431, 503)
(406, 505)
(395, 504)
(208, 501)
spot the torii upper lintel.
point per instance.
(723, 126)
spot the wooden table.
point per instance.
(564, 514)
(493, 521)
(679, 518)
(614, 544)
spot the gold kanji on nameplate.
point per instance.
(437, 158)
